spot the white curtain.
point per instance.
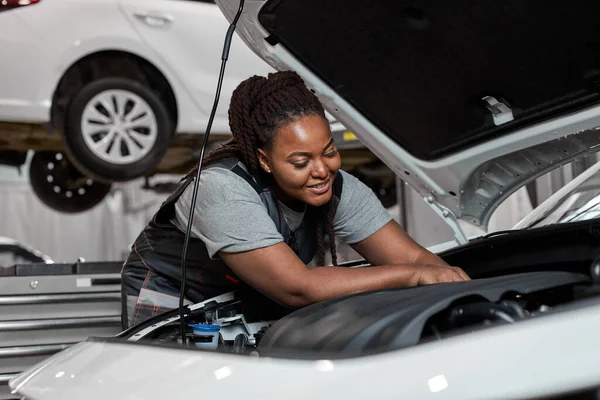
(104, 233)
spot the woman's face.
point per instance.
(304, 161)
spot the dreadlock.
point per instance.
(259, 106)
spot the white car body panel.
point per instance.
(176, 44)
(61, 32)
(82, 31)
(17, 43)
(503, 362)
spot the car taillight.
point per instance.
(6, 5)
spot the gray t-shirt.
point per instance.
(231, 217)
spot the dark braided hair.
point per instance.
(259, 106)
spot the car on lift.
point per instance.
(467, 112)
(117, 79)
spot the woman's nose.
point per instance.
(319, 170)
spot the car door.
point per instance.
(20, 76)
(188, 35)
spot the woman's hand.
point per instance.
(431, 274)
(391, 245)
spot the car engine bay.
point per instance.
(380, 321)
(515, 277)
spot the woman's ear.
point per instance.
(264, 161)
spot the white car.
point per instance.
(467, 111)
(118, 78)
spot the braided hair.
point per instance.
(259, 107)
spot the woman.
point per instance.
(265, 201)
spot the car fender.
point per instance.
(82, 48)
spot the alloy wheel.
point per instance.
(119, 127)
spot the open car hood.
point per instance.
(467, 102)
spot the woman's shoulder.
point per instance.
(348, 181)
(353, 190)
(227, 180)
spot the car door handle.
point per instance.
(154, 19)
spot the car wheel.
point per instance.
(117, 129)
(60, 186)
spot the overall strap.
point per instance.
(254, 182)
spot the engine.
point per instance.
(393, 319)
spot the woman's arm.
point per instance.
(278, 273)
(392, 245)
(362, 221)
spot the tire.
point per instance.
(128, 153)
(60, 186)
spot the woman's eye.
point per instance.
(300, 165)
(331, 154)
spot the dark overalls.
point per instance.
(151, 275)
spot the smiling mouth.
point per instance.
(320, 188)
